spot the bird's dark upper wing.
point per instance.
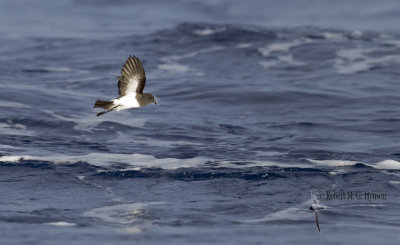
(317, 220)
(314, 199)
(133, 77)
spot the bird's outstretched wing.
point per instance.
(314, 199)
(317, 220)
(133, 77)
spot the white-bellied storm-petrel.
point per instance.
(315, 207)
(130, 88)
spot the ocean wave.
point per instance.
(386, 164)
(126, 139)
(60, 223)
(208, 31)
(136, 162)
(90, 123)
(12, 104)
(228, 89)
(278, 47)
(357, 60)
(127, 162)
(10, 128)
(121, 213)
(106, 160)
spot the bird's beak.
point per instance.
(155, 102)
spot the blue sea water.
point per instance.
(259, 102)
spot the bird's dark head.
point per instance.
(149, 98)
(152, 98)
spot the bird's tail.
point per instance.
(103, 104)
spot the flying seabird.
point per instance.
(130, 88)
(315, 207)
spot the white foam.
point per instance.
(269, 64)
(356, 60)
(121, 213)
(357, 33)
(60, 223)
(278, 47)
(352, 61)
(12, 158)
(134, 161)
(285, 214)
(353, 67)
(208, 31)
(171, 62)
(15, 129)
(289, 60)
(80, 177)
(340, 171)
(386, 164)
(282, 60)
(394, 182)
(250, 164)
(333, 163)
(351, 54)
(243, 45)
(332, 36)
(139, 161)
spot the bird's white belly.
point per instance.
(126, 102)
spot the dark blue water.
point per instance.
(259, 102)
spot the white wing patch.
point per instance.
(126, 102)
(132, 85)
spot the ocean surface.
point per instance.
(259, 102)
